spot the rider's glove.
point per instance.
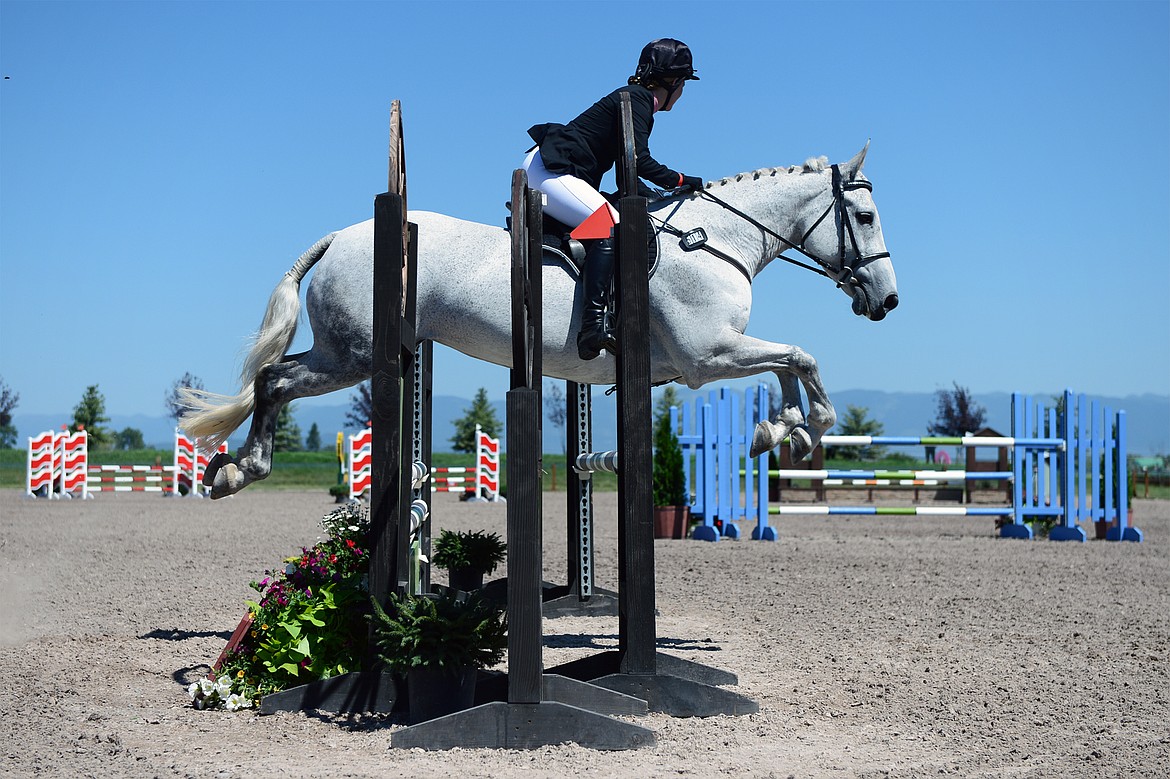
(690, 184)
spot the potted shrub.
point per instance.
(468, 557)
(439, 643)
(340, 493)
(671, 507)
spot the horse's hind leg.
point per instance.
(276, 385)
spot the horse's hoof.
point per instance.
(219, 460)
(228, 481)
(763, 439)
(801, 443)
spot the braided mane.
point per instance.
(811, 165)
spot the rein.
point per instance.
(843, 273)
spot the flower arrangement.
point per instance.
(210, 693)
(310, 620)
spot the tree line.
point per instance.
(956, 413)
(90, 415)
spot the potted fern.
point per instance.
(468, 557)
(439, 643)
(671, 509)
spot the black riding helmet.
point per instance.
(664, 59)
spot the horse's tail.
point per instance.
(212, 417)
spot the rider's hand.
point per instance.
(690, 184)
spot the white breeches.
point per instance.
(568, 199)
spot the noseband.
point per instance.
(841, 273)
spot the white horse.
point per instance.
(699, 305)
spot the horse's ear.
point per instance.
(853, 167)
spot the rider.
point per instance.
(569, 160)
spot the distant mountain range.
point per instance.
(901, 413)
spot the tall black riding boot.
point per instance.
(595, 285)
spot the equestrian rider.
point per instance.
(569, 160)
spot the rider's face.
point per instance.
(674, 91)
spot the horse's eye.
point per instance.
(865, 217)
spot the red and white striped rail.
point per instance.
(130, 478)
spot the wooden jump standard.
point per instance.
(394, 369)
(540, 709)
(668, 684)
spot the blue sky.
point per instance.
(162, 165)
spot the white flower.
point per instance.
(223, 687)
(237, 702)
(206, 686)
(354, 528)
(193, 690)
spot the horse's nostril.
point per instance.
(891, 301)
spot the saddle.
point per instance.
(559, 246)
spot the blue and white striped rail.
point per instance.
(906, 476)
(592, 462)
(921, 511)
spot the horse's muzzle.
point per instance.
(876, 313)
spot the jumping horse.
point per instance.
(711, 246)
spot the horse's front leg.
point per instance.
(821, 416)
(790, 421)
(742, 356)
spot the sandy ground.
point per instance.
(902, 646)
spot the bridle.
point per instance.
(840, 273)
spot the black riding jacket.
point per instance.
(591, 144)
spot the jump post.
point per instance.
(396, 445)
(566, 703)
(668, 684)
(540, 709)
(482, 479)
